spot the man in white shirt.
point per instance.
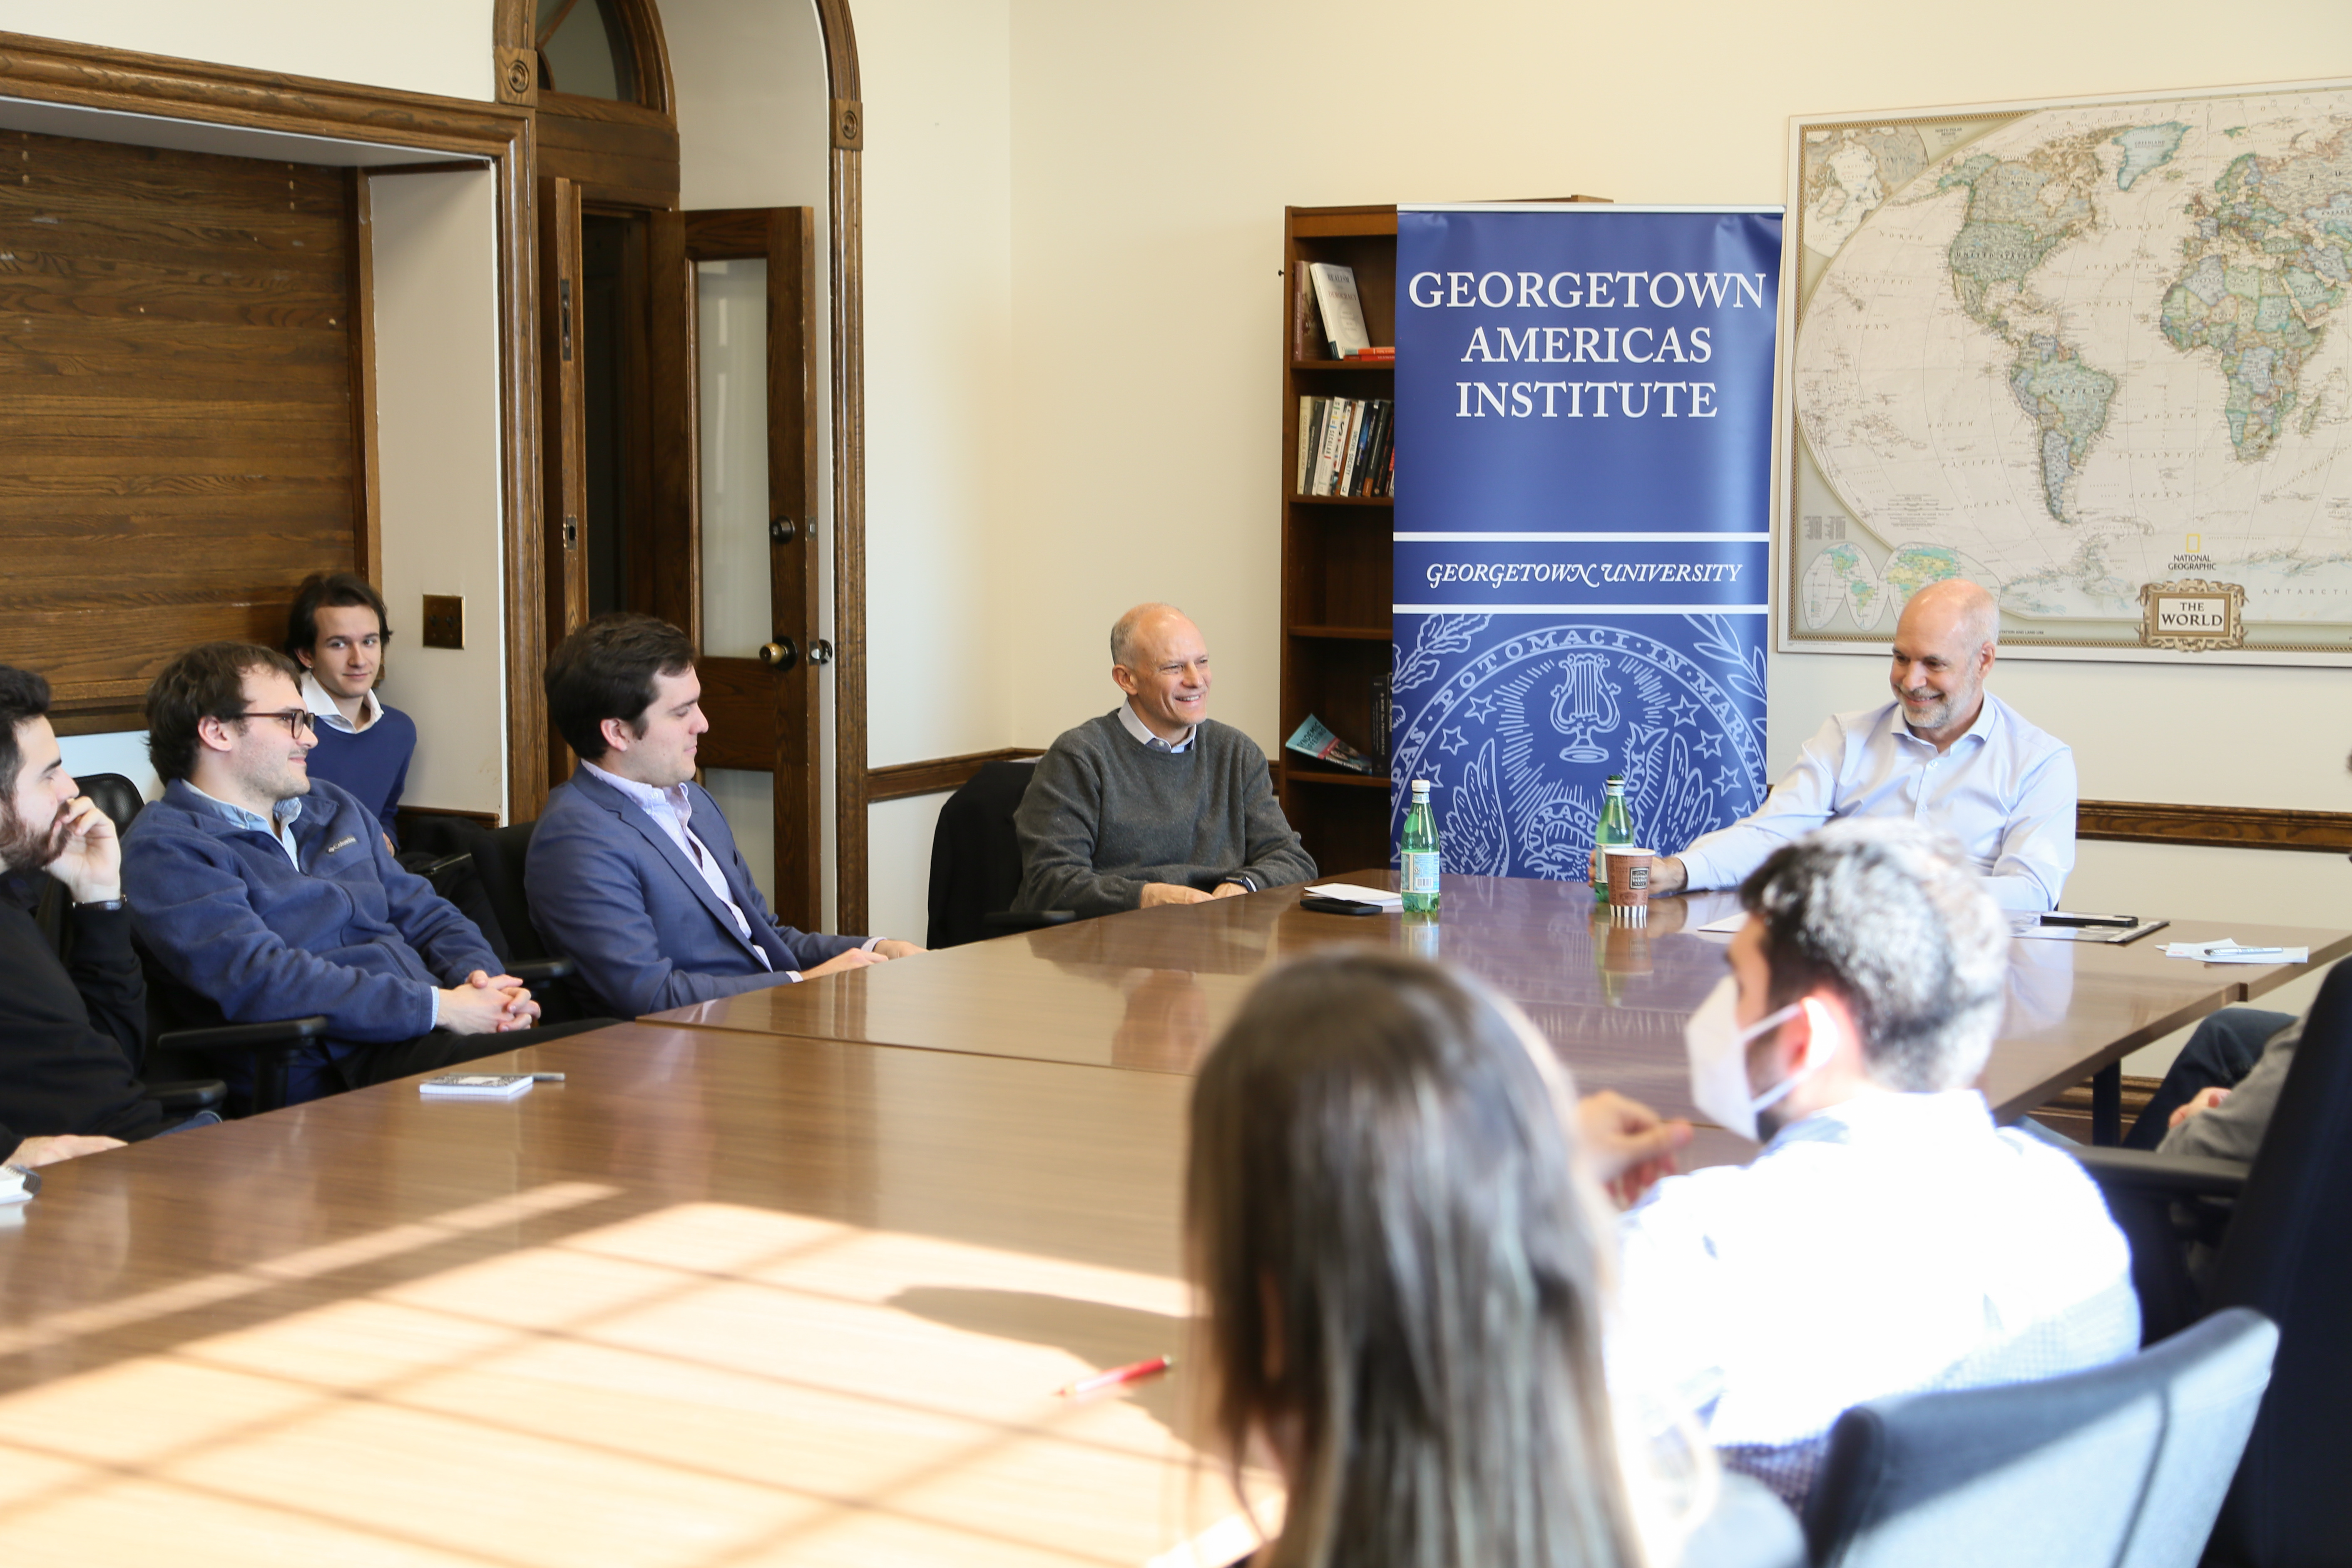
(1888, 1239)
(1945, 753)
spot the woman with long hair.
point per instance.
(1402, 1267)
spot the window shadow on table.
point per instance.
(1096, 1332)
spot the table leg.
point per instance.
(2108, 1105)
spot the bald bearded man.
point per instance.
(1945, 753)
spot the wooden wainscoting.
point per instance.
(2225, 826)
(903, 781)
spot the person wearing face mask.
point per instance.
(1889, 1238)
(1945, 752)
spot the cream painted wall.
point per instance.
(1153, 150)
(418, 46)
(947, 578)
(435, 242)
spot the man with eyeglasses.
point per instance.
(273, 895)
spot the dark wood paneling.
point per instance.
(562, 432)
(937, 775)
(674, 495)
(739, 698)
(637, 149)
(367, 546)
(2227, 826)
(177, 402)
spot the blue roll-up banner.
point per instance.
(1583, 522)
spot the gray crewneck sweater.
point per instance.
(1107, 814)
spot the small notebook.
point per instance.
(475, 1085)
(1361, 894)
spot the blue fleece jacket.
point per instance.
(350, 936)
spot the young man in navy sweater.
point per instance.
(337, 631)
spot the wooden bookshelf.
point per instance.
(1335, 587)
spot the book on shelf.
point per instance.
(1309, 339)
(1345, 447)
(1313, 738)
(1343, 313)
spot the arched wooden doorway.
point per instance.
(612, 151)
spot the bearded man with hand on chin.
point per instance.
(69, 1029)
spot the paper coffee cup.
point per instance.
(1629, 881)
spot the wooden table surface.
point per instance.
(1150, 989)
(714, 1301)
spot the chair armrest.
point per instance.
(541, 971)
(431, 868)
(1028, 920)
(191, 1095)
(2138, 1170)
(246, 1037)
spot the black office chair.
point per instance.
(2120, 1467)
(976, 860)
(500, 856)
(2281, 1253)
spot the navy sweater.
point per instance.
(371, 765)
(350, 936)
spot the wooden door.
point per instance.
(563, 429)
(762, 705)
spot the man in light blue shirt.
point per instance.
(1945, 753)
(1888, 1239)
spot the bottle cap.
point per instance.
(1616, 778)
(1421, 785)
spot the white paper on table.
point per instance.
(1380, 896)
(1727, 926)
(2226, 951)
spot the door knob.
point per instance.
(779, 654)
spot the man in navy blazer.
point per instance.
(633, 870)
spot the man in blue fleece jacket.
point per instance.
(274, 897)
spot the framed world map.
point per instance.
(2096, 355)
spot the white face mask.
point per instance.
(1717, 1048)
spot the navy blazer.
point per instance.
(609, 888)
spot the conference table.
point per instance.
(714, 1299)
(1150, 989)
(792, 1279)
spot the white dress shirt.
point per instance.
(1892, 1244)
(2005, 790)
(321, 704)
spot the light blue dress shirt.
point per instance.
(2005, 790)
(1892, 1244)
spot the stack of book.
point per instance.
(1347, 447)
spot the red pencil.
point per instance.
(1134, 1372)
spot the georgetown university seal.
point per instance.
(1520, 731)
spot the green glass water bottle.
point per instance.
(1419, 859)
(1615, 827)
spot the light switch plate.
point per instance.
(445, 621)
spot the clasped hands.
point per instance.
(1628, 1147)
(1156, 893)
(486, 1004)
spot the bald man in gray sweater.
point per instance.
(1154, 802)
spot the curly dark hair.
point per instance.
(24, 696)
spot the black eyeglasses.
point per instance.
(297, 721)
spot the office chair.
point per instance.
(976, 860)
(500, 856)
(2282, 1254)
(2120, 1467)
